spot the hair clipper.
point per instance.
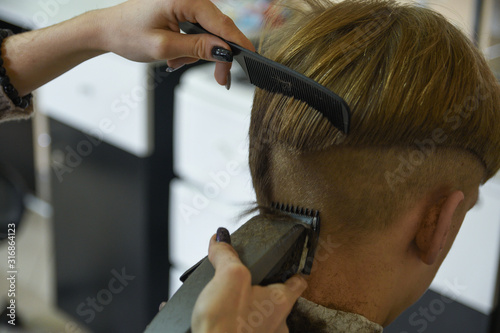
(272, 247)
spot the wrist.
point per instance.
(91, 32)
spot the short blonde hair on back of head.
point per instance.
(409, 77)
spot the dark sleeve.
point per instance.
(8, 111)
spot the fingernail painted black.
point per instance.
(221, 54)
(223, 235)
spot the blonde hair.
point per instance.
(408, 75)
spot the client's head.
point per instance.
(425, 133)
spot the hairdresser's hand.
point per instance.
(229, 303)
(148, 30)
(139, 30)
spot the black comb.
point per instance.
(277, 78)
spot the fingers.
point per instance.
(224, 258)
(221, 255)
(229, 300)
(295, 285)
(286, 294)
(230, 273)
(277, 300)
(186, 49)
(202, 46)
(283, 297)
(172, 45)
(179, 62)
(211, 18)
(221, 73)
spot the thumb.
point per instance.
(296, 286)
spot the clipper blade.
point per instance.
(296, 211)
(310, 219)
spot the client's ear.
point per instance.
(433, 231)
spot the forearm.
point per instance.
(138, 30)
(36, 57)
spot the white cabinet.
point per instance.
(211, 135)
(108, 97)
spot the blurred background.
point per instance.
(123, 174)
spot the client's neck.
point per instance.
(361, 280)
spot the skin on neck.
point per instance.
(381, 275)
(378, 273)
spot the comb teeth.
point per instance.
(291, 209)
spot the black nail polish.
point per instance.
(223, 235)
(221, 54)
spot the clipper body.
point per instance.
(273, 249)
